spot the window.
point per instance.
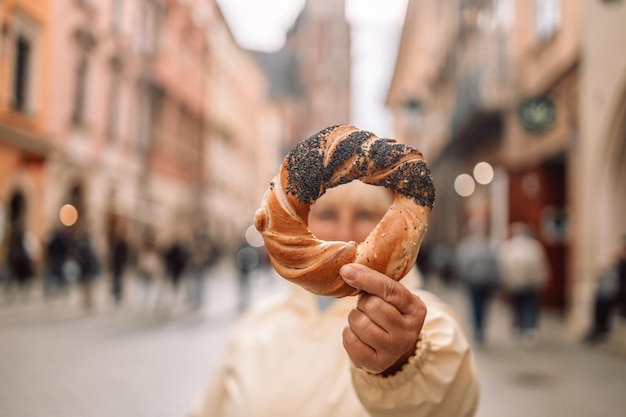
(148, 29)
(80, 90)
(85, 43)
(547, 18)
(114, 104)
(21, 71)
(148, 112)
(143, 119)
(117, 16)
(23, 82)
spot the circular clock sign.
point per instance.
(536, 114)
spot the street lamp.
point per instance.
(483, 173)
(68, 215)
(464, 185)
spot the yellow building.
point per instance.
(23, 107)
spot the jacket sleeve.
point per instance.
(439, 380)
(219, 397)
(214, 399)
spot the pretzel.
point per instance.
(334, 156)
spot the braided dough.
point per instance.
(334, 156)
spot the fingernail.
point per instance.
(348, 272)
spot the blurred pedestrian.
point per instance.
(119, 254)
(148, 267)
(476, 268)
(175, 259)
(203, 256)
(621, 276)
(442, 262)
(89, 267)
(247, 259)
(20, 263)
(424, 260)
(608, 295)
(525, 270)
(56, 252)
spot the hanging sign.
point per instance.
(537, 114)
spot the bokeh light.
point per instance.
(253, 237)
(464, 185)
(68, 215)
(483, 173)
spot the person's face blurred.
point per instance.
(349, 212)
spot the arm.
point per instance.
(407, 362)
(215, 396)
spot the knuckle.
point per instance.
(347, 336)
(390, 290)
(364, 300)
(370, 303)
(418, 307)
(360, 359)
(407, 331)
(357, 319)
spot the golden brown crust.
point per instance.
(335, 156)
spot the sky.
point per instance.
(376, 24)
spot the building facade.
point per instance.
(512, 83)
(24, 139)
(283, 96)
(171, 123)
(242, 135)
(598, 171)
(321, 41)
(146, 116)
(97, 120)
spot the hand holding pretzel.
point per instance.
(383, 329)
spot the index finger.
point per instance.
(373, 282)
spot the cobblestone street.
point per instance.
(556, 377)
(57, 360)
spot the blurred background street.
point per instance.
(137, 139)
(132, 360)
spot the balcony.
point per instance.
(476, 116)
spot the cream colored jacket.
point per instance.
(308, 372)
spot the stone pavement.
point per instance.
(556, 377)
(135, 361)
(56, 360)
